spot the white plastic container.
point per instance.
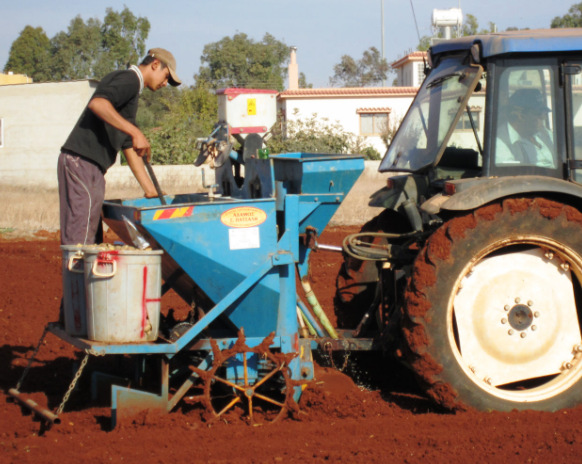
(123, 292)
(74, 307)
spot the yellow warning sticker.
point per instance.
(243, 216)
(251, 106)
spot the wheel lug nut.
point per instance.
(567, 365)
(578, 348)
(534, 327)
(488, 380)
(504, 321)
(506, 307)
(510, 331)
(518, 300)
(537, 314)
(565, 267)
(549, 255)
(522, 335)
(530, 303)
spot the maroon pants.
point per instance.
(81, 195)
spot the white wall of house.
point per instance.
(36, 119)
(346, 107)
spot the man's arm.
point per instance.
(137, 166)
(104, 110)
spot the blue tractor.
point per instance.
(472, 274)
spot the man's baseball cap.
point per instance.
(529, 100)
(168, 59)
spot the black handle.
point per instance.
(154, 180)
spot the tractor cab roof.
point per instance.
(524, 41)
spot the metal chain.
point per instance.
(329, 352)
(72, 385)
(30, 361)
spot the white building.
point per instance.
(35, 121)
(363, 111)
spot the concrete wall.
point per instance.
(36, 120)
(31, 208)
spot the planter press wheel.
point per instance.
(253, 384)
(492, 315)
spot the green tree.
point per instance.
(572, 19)
(303, 84)
(30, 54)
(123, 37)
(88, 49)
(173, 119)
(76, 52)
(241, 62)
(370, 70)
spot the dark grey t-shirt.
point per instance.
(94, 139)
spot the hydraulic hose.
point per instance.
(354, 246)
(310, 320)
(317, 309)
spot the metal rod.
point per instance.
(34, 407)
(329, 247)
(154, 180)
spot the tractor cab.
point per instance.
(499, 105)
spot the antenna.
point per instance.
(415, 23)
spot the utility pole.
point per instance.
(382, 29)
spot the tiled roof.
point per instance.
(374, 110)
(349, 92)
(414, 56)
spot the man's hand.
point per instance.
(153, 194)
(141, 146)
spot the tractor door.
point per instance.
(526, 119)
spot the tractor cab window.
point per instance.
(440, 109)
(525, 125)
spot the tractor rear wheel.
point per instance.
(492, 312)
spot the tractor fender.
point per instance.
(473, 193)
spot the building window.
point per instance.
(374, 123)
(465, 122)
(419, 74)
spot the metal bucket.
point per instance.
(74, 307)
(123, 288)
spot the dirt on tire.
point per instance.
(438, 265)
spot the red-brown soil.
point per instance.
(390, 421)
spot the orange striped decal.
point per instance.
(173, 213)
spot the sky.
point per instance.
(322, 30)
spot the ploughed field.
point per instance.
(371, 412)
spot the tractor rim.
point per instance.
(520, 320)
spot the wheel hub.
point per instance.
(520, 317)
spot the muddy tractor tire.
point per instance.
(491, 319)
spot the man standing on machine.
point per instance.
(106, 126)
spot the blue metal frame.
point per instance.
(252, 285)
